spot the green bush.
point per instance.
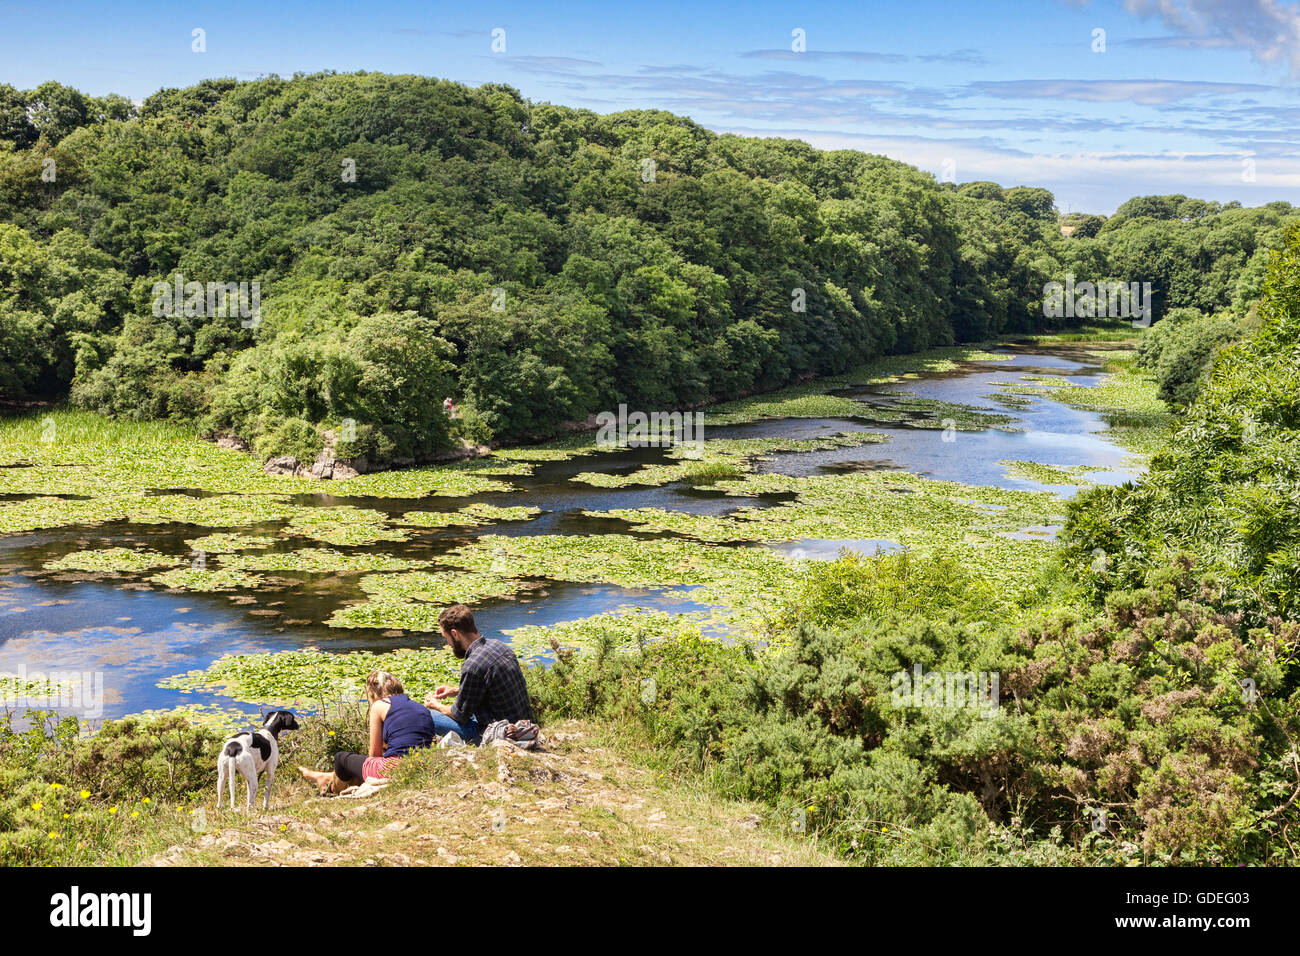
(291, 436)
(71, 798)
(65, 797)
(1180, 349)
(1227, 487)
(386, 373)
(470, 426)
(855, 585)
(1136, 710)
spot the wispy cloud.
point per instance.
(1268, 29)
(856, 56)
(458, 34)
(1180, 43)
(967, 56)
(1145, 92)
(1087, 179)
(564, 66)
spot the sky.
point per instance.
(1096, 100)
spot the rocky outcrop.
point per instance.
(283, 465)
(327, 466)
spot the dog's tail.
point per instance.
(226, 770)
(232, 776)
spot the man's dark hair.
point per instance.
(458, 617)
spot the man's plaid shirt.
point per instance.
(491, 685)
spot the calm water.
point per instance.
(136, 634)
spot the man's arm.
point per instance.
(468, 698)
(439, 693)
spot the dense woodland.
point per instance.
(415, 239)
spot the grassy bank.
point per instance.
(581, 802)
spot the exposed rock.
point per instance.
(281, 465)
(233, 442)
(329, 467)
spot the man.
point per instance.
(492, 684)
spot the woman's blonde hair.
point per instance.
(381, 684)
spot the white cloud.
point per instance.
(1268, 29)
(1146, 92)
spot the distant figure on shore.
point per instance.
(492, 686)
(397, 725)
(449, 408)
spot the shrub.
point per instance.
(292, 436)
(1226, 488)
(856, 584)
(388, 373)
(64, 797)
(1180, 349)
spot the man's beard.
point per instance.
(457, 650)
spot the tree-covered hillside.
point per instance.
(414, 239)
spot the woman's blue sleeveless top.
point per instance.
(408, 726)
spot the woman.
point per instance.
(397, 725)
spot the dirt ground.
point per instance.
(575, 803)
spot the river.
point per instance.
(135, 633)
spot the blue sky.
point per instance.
(1191, 96)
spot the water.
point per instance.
(1050, 432)
(137, 633)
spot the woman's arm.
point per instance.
(378, 711)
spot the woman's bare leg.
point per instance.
(326, 782)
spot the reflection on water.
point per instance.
(1047, 431)
(138, 637)
(828, 549)
(138, 633)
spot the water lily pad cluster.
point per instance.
(312, 679)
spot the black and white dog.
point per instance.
(250, 753)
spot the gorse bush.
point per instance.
(65, 797)
(1135, 715)
(68, 797)
(1172, 716)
